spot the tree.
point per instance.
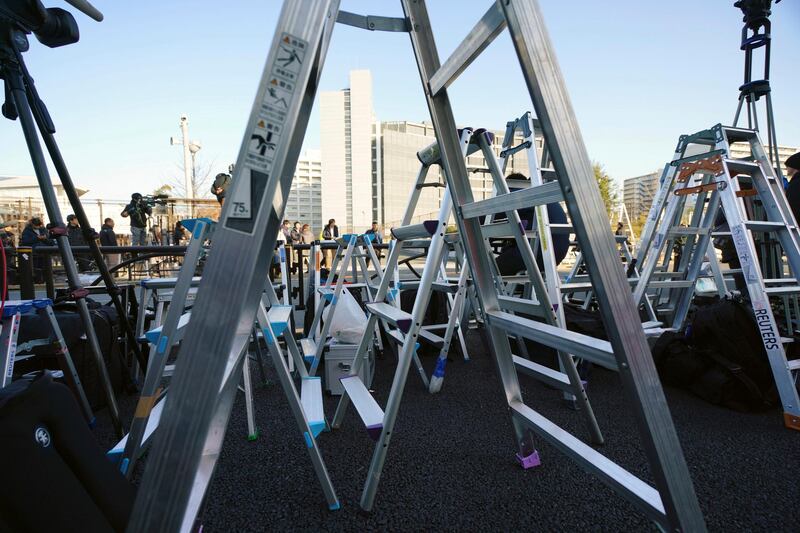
(201, 180)
(164, 189)
(608, 190)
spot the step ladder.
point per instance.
(9, 331)
(194, 421)
(720, 182)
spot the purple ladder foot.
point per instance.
(529, 461)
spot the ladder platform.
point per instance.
(522, 199)
(279, 317)
(626, 484)
(416, 231)
(152, 335)
(308, 347)
(735, 135)
(765, 226)
(311, 400)
(595, 350)
(394, 316)
(366, 406)
(737, 166)
(152, 423)
(548, 376)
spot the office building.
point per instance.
(347, 124)
(740, 150)
(305, 197)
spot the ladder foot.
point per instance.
(335, 506)
(253, 437)
(791, 421)
(529, 461)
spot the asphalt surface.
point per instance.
(451, 462)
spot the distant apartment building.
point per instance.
(638, 194)
(346, 146)
(305, 197)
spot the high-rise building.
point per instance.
(739, 150)
(305, 197)
(638, 193)
(346, 141)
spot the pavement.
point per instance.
(451, 462)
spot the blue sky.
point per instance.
(640, 73)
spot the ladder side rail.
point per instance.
(9, 331)
(159, 353)
(268, 299)
(232, 283)
(316, 328)
(370, 290)
(572, 165)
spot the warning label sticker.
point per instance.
(266, 135)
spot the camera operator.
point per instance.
(138, 210)
(221, 183)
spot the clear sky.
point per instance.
(640, 73)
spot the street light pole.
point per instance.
(190, 148)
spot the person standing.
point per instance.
(7, 236)
(35, 235)
(297, 233)
(329, 233)
(138, 212)
(793, 190)
(75, 238)
(109, 238)
(374, 230)
(306, 235)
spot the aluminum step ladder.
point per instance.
(727, 183)
(182, 460)
(9, 349)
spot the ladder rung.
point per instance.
(595, 350)
(737, 166)
(311, 399)
(279, 316)
(576, 287)
(671, 284)
(183, 321)
(628, 485)
(308, 347)
(678, 230)
(521, 199)
(546, 375)
(652, 324)
(561, 229)
(773, 281)
(794, 364)
(520, 305)
(366, 406)
(152, 424)
(764, 226)
(779, 291)
(415, 231)
(396, 317)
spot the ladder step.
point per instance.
(425, 335)
(153, 334)
(152, 424)
(652, 324)
(773, 281)
(326, 292)
(629, 486)
(521, 199)
(308, 347)
(445, 286)
(394, 316)
(311, 399)
(737, 166)
(520, 305)
(679, 230)
(576, 287)
(561, 229)
(671, 284)
(794, 364)
(416, 231)
(595, 350)
(279, 317)
(497, 230)
(780, 291)
(764, 226)
(550, 377)
(368, 409)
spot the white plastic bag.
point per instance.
(348, 322)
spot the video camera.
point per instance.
(152, 200)
(52, 26)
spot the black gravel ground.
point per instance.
(451, 463)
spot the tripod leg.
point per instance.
(14, 79)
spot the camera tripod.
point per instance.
(23, 102)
